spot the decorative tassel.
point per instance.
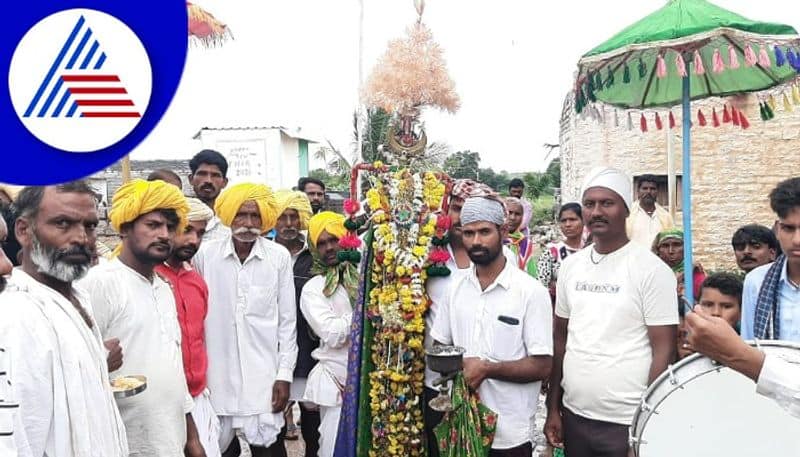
(626, 74)
(763, 57)
(750, 58)
(762, 112)
(734, 115)
(787, 106)
(718, 64)
(743, 120)
(699, 69)
(643, 123)
(771, 102)
(780, 59)
(714, 117)
(659, 125)
(680, 64)
(768, 110)
(610, 78)
(630, 121)
(726, 116)
(795, 95)
(616, 118)
(701, 118)
(590, 91)
(598, 81)
(733, 59)
(661, 67)
(642, 69)
(671, 120)
(790, 58)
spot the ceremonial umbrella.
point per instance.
(205, 28)
(687, 50)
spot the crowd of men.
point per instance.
(234, 305)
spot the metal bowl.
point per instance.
(130, 392)
(445, 359)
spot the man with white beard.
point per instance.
(52, 343)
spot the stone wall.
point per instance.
(733, 170)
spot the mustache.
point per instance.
(75, 250)
(598, 219)
(748, 257)
(479, 249)
(160, 244)
(250, 230)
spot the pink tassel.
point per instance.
(763, 57)
(643, 123)
(661, 67)
(734, 115)
(714, 117)
(671, 120)
(719, 65)
(744, 123)
(699, 69)
(659, 125)
(750, 58)
(701, 118)
(733, 59)
(680, 64)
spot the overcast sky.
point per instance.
(295, 63)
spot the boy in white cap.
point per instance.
(615, 327)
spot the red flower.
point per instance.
(443, 222)
(350, 241)
(351, 206)
(439, 255)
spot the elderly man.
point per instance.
(52, 344)
(615, 328)
(503, 318)
(295, 211)
(191, 300)
(754, 245)
(647, 218)
(327, 304)
(208, 176)
(251, 325)
(132, 303)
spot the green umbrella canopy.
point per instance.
(623, 70)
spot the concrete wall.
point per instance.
(733, 170)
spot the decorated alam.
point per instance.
(411, 303)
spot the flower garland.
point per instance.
(407, 248)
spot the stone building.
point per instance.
(733, 169)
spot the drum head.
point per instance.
(715, 413)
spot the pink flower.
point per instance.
(443, 222)
(439, 255)
(350, 241)
(351, 206)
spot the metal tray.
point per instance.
(131, 392)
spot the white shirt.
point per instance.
(510, 320)
(60, 374)
(216, 230)
(642, 228)
(780, 381)
(330, 318)
(437, 288)
(251, 324)
(143, 316)
(610, 300)
(9, 419)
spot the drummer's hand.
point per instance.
(114, 358)
(712, 336)
(553, 431)
(280, 396)
(475, 371)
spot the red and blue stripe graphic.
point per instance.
(78, 81)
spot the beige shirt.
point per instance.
(642, 228)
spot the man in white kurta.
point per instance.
(329, 312)
(251, 322)
(51, 344)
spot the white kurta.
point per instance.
(143, 316)
(780, 381)
(330, 319)
(60, 374)
(250, 334)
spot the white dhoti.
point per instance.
(207, 423)
(257, 430)
(328, 428)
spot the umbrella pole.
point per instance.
(688, 263)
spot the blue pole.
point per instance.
(688, 264)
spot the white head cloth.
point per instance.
(482, 209)
(612, 179)
(198, 211)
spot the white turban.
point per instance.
(483, 209)
(198, 211)
(612, 179)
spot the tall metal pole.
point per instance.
(671, 175)
(688, 263)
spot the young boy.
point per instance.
(720, 296)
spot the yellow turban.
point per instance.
(326, 221)
(230, 200)
(139, 197)
(198, 211)
(296, 200)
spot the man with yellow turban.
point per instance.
(327, 305)
(294, 211)
(135, 306)
(251, 322)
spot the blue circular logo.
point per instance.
(87, 82)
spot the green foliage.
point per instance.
(497, 181)
(333, 181)
(543, 210)
(536, 184)
(554, 172)
(462, 165)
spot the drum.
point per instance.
(701, 408)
